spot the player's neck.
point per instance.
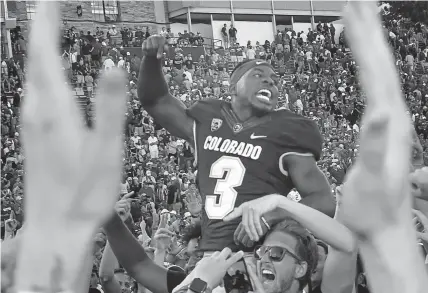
(242, 112)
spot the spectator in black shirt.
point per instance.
(188, 62)
(224, 36)
(232, 35)
(87, 50)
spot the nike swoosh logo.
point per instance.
(253, 136)
(259, 62)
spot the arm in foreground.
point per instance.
(322, 226)
(340, 267)
(108, 265)
(376, 196)
(133, 258)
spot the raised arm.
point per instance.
(133, 258)
(154, 94)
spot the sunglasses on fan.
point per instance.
(275, 253)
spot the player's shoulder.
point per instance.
(296, 133)
(205, 109)
(289, 122)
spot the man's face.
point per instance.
(258, 88)
(278, 276)
(125, 281)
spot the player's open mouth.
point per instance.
(268, 275)
(264, 95)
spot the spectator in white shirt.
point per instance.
(153, 146)
(251, 53)
(121, 63)
(108, 63)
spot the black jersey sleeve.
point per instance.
(204, 110)
(174, 278)
(300, 135)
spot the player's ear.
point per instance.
(300, 270)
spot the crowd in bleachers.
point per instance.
(318, 80)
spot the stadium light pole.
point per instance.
(189, 20)
(9, 39)
(312, 15)
(232, 17)
(273, 17)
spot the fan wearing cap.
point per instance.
(244, 150)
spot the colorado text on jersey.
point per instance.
(230, 146)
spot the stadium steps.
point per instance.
(289, 71)
(81, 98)
(230, 66)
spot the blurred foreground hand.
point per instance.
(73, 173)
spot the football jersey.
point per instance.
(241, 161)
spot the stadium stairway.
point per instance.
(289, 71)
(81, 99)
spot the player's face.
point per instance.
(258, 88)
(278, 276)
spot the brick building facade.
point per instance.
(150, 13)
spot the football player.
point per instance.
(244, 149)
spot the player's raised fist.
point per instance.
(155, 46)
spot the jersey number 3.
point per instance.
(225, 187)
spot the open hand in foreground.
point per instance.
(73, 173)
(376, 191)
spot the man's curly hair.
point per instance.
(306, 248)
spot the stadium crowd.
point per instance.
(159, 200)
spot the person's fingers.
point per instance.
(121, 211)
(422, 218)
(234, 258)
(225, 253)
(144, 47)
(252, 232)
(415, 221)
(236, 234)
(128, 195)
(236, 213)
(255, 281)
(110, 114)
(45, 78)
(162, 222)
(422, 236)
(244, 221)
(258, 224)
(165, 231)
(161, 47)
(241, 237)
(50, 116)
(104, 143)
(165, 47)
(247, 242)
